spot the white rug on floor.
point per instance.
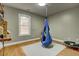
(37, 50)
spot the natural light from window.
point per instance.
(24, 24)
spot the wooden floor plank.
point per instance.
(16, 50)
(69, 52)
(12, 51)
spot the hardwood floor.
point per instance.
(68, 52)
(12, 51)
(16, 50)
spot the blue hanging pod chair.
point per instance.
(46, 38)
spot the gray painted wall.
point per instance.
(65, 25)
(11, 15)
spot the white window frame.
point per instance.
(29, 24)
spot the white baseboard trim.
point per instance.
(58, 40)
(13, 43)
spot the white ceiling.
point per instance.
(40, 10)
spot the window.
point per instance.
(24, 24)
